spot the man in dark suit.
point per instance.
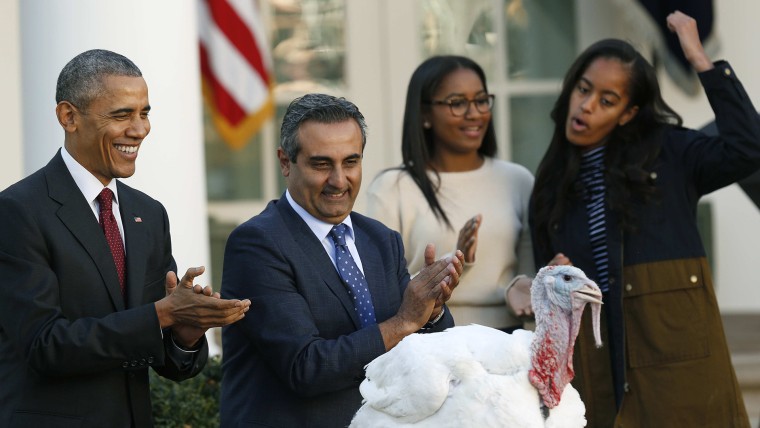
(298, 358)
(91, 299)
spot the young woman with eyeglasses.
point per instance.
(452, 192)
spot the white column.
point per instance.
(161, 38)
(10, 86)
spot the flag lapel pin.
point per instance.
(138, 219)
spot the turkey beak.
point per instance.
(590, 293)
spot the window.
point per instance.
(362, 50)
(308, 51)
(524, 48)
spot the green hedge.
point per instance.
(192, 403)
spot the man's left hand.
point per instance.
(453, 280)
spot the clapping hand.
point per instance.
(431, 287)
(190, 309)
(468, 238)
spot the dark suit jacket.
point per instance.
(298, 356)
(73, 353)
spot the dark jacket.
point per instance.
(298, 356)
(73, 353)
(665, 361)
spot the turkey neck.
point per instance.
(552, 355)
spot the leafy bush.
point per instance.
(192, 403)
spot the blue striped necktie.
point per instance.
(592, 175)
(352, 277)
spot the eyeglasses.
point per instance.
(460, 105)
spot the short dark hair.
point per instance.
(321, 108)
(81, 79)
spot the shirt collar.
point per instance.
(320, 228)
(593, 156)
(592, 160)
(85, 181)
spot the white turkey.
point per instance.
(476, 376)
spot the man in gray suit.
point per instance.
(298, 358)
(91, 296)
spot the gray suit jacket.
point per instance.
(73, 352)
(298, 356)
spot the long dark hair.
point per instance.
(631, 151)
(417, 145)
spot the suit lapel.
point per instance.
(76, 215)
(315, 255)
(135, 239)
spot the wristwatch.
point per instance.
(431, 324)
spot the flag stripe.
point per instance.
(254, 23)
(236, 31)
(223, 102)
(230, 68)
(235, 64)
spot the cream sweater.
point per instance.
(498, 190)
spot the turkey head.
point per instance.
(558, 295)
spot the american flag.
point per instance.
(235, 68)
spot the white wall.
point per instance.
(737, 219)
(160, 37)
(11, 161)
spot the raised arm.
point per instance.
(685, 28)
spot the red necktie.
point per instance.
(111, 230)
